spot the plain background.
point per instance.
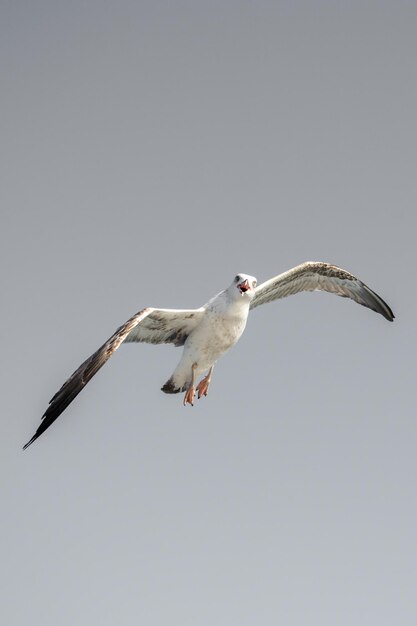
(150, 151)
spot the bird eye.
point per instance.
(254, 284)
(237, 279)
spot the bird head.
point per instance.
(243, 286)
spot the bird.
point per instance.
(208, 332)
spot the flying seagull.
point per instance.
(208, 332)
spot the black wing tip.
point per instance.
(30, 442)
(386, 312)
(40, 430)
(391, 312)
(378, 304)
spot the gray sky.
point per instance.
(150, 151)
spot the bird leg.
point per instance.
(190, 393)
(204, 384)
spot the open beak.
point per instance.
(244, 286)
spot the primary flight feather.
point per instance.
(208, 332)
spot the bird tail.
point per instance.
(172, 387)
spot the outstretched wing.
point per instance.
(316, 276)
(149, 325)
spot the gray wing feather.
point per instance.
(166, 326)
(317, 276)
(162, 326)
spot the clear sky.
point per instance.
(150, 151)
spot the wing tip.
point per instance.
(41, 429)
(35, 436)
(380, 306)
(386, 312)
(391, 317)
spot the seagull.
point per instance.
(210, 331)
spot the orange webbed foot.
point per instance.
(189, 396)
(204, 384)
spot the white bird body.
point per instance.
(220, 327)
(208, 332)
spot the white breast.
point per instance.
(217, 333)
